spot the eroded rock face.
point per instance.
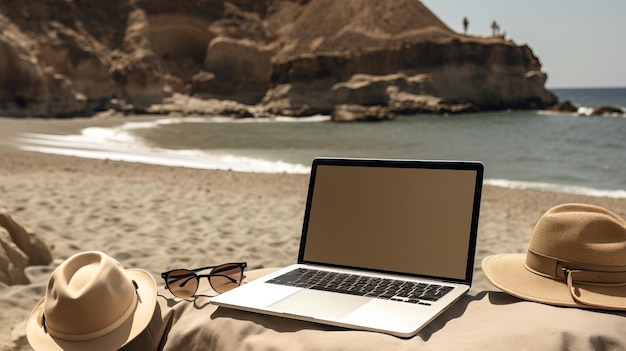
(241, 69)
(283, 57)
(496, 76)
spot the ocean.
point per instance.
(521, 149)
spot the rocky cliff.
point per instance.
(297, 57)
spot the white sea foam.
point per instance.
(109, 135)
(119, 144)
(108, 140)
(570, 189)
(585, 111)
(111, 144)
(582, 111)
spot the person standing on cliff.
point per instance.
(495, 28)
(465, 25)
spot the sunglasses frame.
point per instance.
(197, 277)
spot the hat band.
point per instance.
(560, 270)
(98, 333)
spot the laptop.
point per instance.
(386, 246)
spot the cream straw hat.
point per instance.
(92, 303)
(576, 257)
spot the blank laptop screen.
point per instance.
(408, 220)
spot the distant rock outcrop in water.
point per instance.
(298, 57)
(568, 107)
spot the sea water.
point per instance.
(525, 149)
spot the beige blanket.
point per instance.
(487, 321)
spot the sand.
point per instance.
(158, 218)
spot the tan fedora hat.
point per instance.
(576, 257)
(92, 303)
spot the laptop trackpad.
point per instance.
(319, 304)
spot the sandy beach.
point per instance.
(157, 217)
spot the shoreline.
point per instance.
(46, 191)
(159, 217)
(107, 138)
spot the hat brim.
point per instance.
(509, 273)
(39, 339)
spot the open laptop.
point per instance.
(386, 246)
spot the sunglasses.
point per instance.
(184, 283)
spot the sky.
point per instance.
(579, 43)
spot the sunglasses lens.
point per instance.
(182, 283)
(226, 277)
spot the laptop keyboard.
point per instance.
(354, 284)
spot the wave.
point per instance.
(110, 144)
(558, 188)
(589, 111)
(583, 111)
